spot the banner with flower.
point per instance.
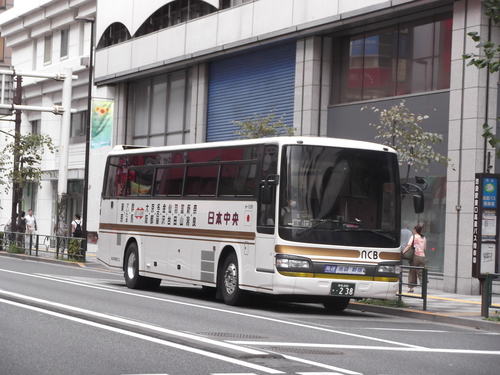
(102, 123)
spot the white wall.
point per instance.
(25, 27)
(249, 23)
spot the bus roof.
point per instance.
(315, 141)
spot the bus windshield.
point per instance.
(339, 196)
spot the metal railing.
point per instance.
(489, 292)
(40, 245)
(425, 280)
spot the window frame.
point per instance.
(81, 137)
(123, 165)
(35, 126)
(2, 49)
(47, 49)
(64, 35)
(344, 87)
(167, 131)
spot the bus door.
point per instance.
(114, 211)
(265, 237)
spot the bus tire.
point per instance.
(336, 304)
(131, 268)
(231, 292)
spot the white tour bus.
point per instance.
(313, 219)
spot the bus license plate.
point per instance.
(342, 289)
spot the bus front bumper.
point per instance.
(294, 283)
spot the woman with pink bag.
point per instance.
(419, 242)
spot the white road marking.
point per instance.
(365, 347)
(306, 361)
(218, 310)
(406, 330)
(118, 319)
(147, 338)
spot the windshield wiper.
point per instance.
(351, 229)
(347, 226)
(318, 222)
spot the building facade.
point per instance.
(182, 71)
(5, 52)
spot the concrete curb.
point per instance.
(42, 259)
(428, 316)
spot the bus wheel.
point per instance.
(336, 304)
(132, 277)
(231, 292)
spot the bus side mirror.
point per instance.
(266, 189)
(419, 203)
(418, 195)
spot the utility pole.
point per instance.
(17, 106)
(17, 136)
(62, 186)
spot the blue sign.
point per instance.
(370, 46)
(490, 188)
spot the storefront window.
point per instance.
(403, 59)
(161, 110)
(432, 221)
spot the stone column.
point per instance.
(312, 82)
(472, 103)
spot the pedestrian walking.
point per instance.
(420, 243)
(31, 224)
(76, 229)
(21, 223)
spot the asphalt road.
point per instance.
(68, 320)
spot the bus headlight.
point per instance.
(283, 261)
(389, 268)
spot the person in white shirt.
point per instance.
(76, 229)
(31, 225)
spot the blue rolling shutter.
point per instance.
(241, 86)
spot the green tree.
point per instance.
(258, 126)
(490, 58)
(30, 149)
(400, 129)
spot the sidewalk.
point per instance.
(50, 256)
(449, 308)
(442, 307)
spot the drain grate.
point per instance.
(231, 335)
(287, 349)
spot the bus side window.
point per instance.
(237, 180)
(267, 214)
(161, 182)
(175, 181)
(140, 181)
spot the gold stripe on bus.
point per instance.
(384, 255)
(212, 233)
(345, 277)
(315, 251)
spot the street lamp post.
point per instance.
(88, 128)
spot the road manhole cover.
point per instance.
(313, 351)
(231, 335)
